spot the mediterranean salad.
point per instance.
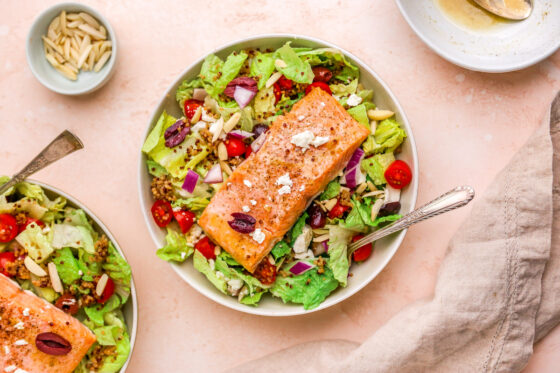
(227, 110)
(52, 250)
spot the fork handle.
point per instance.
(63, 145)
(451, 200)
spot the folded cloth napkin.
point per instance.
(498, 287)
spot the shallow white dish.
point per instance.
(506, 47)
(130, 309)
(384, 249)
(88, 81)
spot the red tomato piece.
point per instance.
(277, 93)
(162, 213)
(285, 83)
(185, 218)
(324, 86)
(248, 152)
(398, 174)
(108, 291)
(8, 228)
(206, 248)
(322, 74)
(21, 227)
(190, 107)
(235, 147)
(265, 272)
(363, 252)
(5, 258)
(338, 210)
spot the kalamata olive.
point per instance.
(317, 217)
(52, 344)
(259, 129)
(176, 134)
(68, 304)
(390, 208)
(322, 74)
(242, 81)
(242, 223)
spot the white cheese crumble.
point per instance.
(211, 263)
(80, 273)
(302, 188)
(199, 126)
(19, 325)
(306, 138)
(234, 286)
(285, 190)
(247, 183)
(258, 235)
(284, 180)
(9, 369)
(245, 208)
(183, 255)
(301, 117)
(19, 370)
(303, 240)
(20, 342)
(6, 350)
(354, 100)
(322, 104)
(26, 312)
(253, 202)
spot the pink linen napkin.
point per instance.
(498, 288)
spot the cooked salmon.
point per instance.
(23, 316)
(275, 184)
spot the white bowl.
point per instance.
(88, 81)
(130, 309)
(506, 47)
(384, 249)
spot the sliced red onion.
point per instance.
(199, 94)
(243, 96)
(259, 141)
(326, 246)
(214, 175)
(240, 134)
(319, 248)
(300, 267)
(244, 82)
(190, 181)
(355, 159)
(353, 174)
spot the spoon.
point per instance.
(60, 147)
(451, 200)
(516, 10)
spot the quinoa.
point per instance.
(345, 198)
(98, 355)
(101, 249)
(162, 189)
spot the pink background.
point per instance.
(467, 126)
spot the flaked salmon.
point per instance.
(24, 317)
(304, 150)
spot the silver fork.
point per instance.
(60, 147)
(451, 200)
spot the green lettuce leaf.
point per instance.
(67, 265)
(203, 266)
(68, 235)
(264, 102)
(192, 203)
(35, 242)
(210, 73)
(297, 69)
(97, 312)
(347, 74)
(375, 166)
(386, 219)
(262, 67)
(342, 89)
(89, 267)
(339, 238)
(186, 89)
(119, 270)
(297, 229)
(155, 169)
(309, 288)
(327, 56)
(359, 113)
(331, 191)
(216, 74)
(115, 321)
(280, 250)
(388, 136)
(246, 120)
(253, 300)
(177, 248)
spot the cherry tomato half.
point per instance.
(162, 213)
(322, 74)
(265, 272)
(285, 83)
(8, 228)
(235, 147)
(398, 174)
(5, 258)
(363, 252)
(248, 152)
(190, 107)
(338, 210)
(277, 92)
(21, 227)
(185, 218)
(324, 86)
(68, 303)
(107, 292)
(206, 248)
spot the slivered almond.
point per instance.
(55, 279)
(321, 238)
(360, 189)
(84, 56)
(73, 16)
(330, 203)
(90, 30)
(52, 45)
(222, 152)
(377, 114)
(67, 49)
(63, 21)
(280, 63)
(320, 231)
(374, 193)
(103, 31)
(273, 79)
(197, 115)
(226, 168)
(101, 284)
(34, 267)
(52, 60)
(90, 61)
(67, 72)
(232, 122)
(372, 126)
(74, 24)
(59, 58)
(85, 43)
(217, 250)
(89, 20)
(102, 61)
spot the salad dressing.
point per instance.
(469, 14)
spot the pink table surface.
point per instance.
(467, 126)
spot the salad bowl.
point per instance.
(384, 249)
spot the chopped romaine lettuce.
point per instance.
(338, 257)
(264, 102)
(155, 169)
(296, 69)
(89, 267)
(388, 136)
(67, 265)
(68, 235)
(262, 67)
(375, 166)
(96, 313)
(192, 203)
(177, 248)
(210, 73)
(246, 120)
(35, 242)
(203, 266)
(386, 219)
(297, 229)
(331, 191)
(216, 74)
(252, 300)
(186, 89)
(119, 270)
(327, 56)
(360, 114)
(280, 250)
(342, 89)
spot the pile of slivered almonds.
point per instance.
(74, 42)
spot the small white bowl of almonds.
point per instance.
(71, 49)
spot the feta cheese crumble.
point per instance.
(253, 202)
(19, 370)
(247, 183)
(302, 188)
(286, 183)
(245, 209)
(258, 235)
(301, 117)
(285, 190)
(19, 325)
(354, 100)
(306, 138)
(26, 312)
(10, 368)
(20, 342)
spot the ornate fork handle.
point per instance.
(60, 147)
(451, 200)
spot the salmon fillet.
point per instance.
(255, 184)
(23, 316)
